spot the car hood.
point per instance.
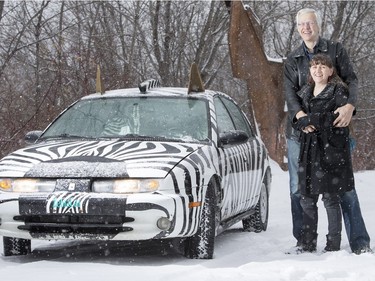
(93, 159)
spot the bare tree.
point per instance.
(1, 8)
(49, 51)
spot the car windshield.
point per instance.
(184, 119)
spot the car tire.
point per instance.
(201, 244)
(16, 246)
(258, 221)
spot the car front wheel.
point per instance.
(201, 244)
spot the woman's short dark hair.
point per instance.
(321, 59)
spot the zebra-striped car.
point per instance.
(137, 164)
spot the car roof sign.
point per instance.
(148, 84)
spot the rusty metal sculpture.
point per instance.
(262, 75)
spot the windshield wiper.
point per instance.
(146, 137)
(65, 135)
(136, 136)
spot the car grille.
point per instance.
(74, 224)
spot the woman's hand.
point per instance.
(308, 128)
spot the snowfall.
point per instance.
(238, 255)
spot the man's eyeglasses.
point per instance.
(306, 23)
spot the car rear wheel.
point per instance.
(201, 244)
(16, 246)
(258, 221)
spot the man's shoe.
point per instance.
(308, 248)
(363, 250)
(293, 250)
(297, 250)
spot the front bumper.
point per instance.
(82, 216)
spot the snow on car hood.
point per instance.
(112, 158)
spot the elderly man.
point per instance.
(296, 70)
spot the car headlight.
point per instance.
(125, 186)
(26, 185)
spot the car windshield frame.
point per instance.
(159, 118)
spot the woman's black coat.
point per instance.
(325, 161)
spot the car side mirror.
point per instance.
(232, 137)
(32, 136)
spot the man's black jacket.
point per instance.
(296, 73)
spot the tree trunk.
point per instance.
(263, 77)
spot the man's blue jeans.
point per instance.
(353, 220)
(295, 196)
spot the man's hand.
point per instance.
(345, 115)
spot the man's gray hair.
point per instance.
(308, 11)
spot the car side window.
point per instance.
(224, 121)
(237, 116)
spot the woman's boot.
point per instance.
(333, 243)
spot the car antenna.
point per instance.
(195, 80)
(99, 86)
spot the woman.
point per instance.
(324, 163)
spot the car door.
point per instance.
(241, 163)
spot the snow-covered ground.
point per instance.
(238, 255)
